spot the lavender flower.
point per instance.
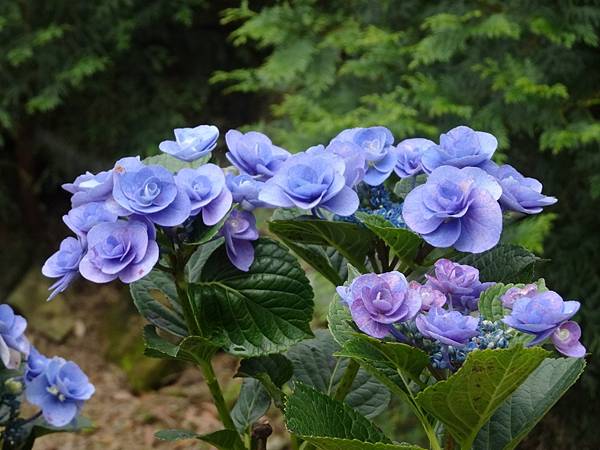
(254, 154)
(239, 230)
(566, 340)
(515, 293)
(379, 301)
(540, 314)
(447, 327)
(456, 207)
(60, 391)
(191, 144)
(205, 187)
(245, 190)
(428, 296)
(408, 155)
(82, 218)
(13, 343)
(460, 147)
(64, 264)
(90, 188)
(354, 160)
(36, 365)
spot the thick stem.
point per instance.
(189, 309)
(346, 382)
(217, 395)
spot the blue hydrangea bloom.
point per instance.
(64, 264)
(519, 193)
(311, 179)
(245, 190)
(379, 301)
(408, 156)
(191, 144)
(354, 160)
(540, 314)
(82, 218)
(239, 232)
(427, 295)
(566, 340)
(60, 391)
(36, 365)
(90, 188)
(377, 145)
(123, 249)
(456, 208)
(460, 147)
(206, 189)
(447, 327)
(13, 343)
(149, 191)
(254, 154)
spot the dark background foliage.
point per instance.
(83, 83)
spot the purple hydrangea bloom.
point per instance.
(206, 189)
(354, 160)
(377, 145)
(36, 365)
(514, 293)
(90, 188)
(540, 314)
(447, 327)
(456, 207)
(245, 190)
(311, 179)
(60, 391)
(460, 147)
(519, 193)
(566, 340)
(150, 191)
(408, 155)
(13, 343)
(64, 264)
(82, 218)
(379, 301)
(254, 154)
(123, 249)
(428, 296)
(191, 143)
(239, 230)
(459, 282)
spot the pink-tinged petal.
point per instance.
(365, 323)
(482, 225)
(136, 271)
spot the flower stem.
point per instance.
(346, 382)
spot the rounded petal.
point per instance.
(134, 272)
(482, 225)
(217, 209)
(445, 235)
(241, 254)
(273, 195)
(344, 203)
(174, 214)
(414, 212)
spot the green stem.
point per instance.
(189, 310)
(346, 382)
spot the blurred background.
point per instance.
(83, 83)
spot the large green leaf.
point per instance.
(222, 440)
(196, 263)
(519, 413)
(317, 256)
(466, 401)
(155, 297)
(504, 264)
(265, 310)
(315, 365)
(252, 404)
(277, 367)
(352, 241)
(193, 349)
(332, 425)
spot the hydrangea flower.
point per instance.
(447, 327)
(459, 282)
(64, 264)
(123, 249)
(354, 160)
(312, 179)
(379, 301)
(206, 189)
(254, 154)
(460, 147)
(13, 343)
(191, 144)
(427, 295)
(245, 190)
(408, 156)
(90, 188)
(82, 218)
(514, 293)
(150, 191)
(540, 314)
(239, 230)
(456, 208)
(36, 365)
(519, 193)
(60, 391)
(566, 340)
(377, 145)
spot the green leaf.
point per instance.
(173, 164)
(252, 404)
(519, 413)
(193, 349)
(339, 321)
(350, 240)
(490, 304)
(315, 365)
(222, 440)
(317, 256)
(277, 367)
(42, 428)
(201, 234)
(466, 401)
(196, 262)
(265, 310)
(504, 264)
(155, 297)
(175, 435)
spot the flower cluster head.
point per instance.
(191, 144)
(13, 343)
(427, 295)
